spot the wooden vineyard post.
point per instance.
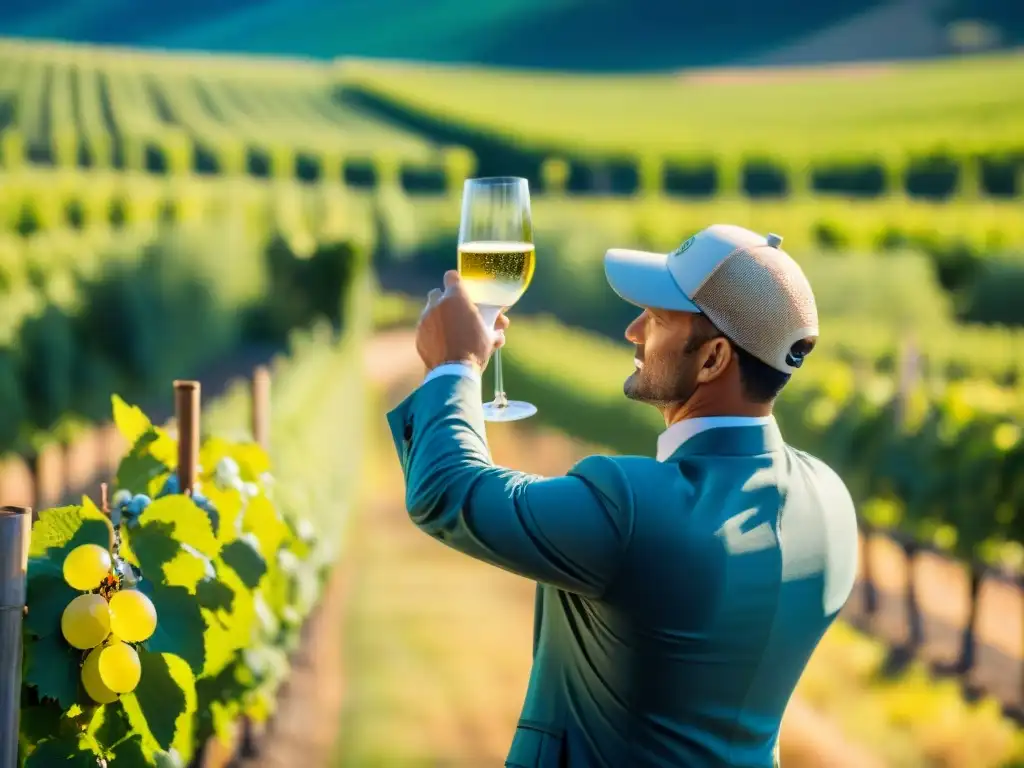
(186, 412)
(261, 406)
(15, 531)
(186, 416)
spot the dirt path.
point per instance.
(304, 731)
(943, 589)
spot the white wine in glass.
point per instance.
(496, 262)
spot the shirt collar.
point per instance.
(678, 433)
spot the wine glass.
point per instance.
(496, 262)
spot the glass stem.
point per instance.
(500, 400)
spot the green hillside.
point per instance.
(579, 34)
(967, 104)
(929, 129)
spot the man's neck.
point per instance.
(697, 410)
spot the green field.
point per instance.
(72, 106)
(937, 130)
(967, 107)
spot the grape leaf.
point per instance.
(229, 632)
(149, 546)
(261, 706)
(219, 646)
(219, 697)
(190, 524)
(137, 429)
(267, 621)
(165, 449)
(224, 718)
(130, 420)
(64, 750)
(161, 707)
(128, 753)
(244, 559)
(211, 452)
(228, 504)
(264, 522)
(252, 460)
(277, 589)
(39, 721)
(243, 608)
(110, 725)
(61, 529)
(48, 596)
(53, 668)
(186, 569)
(140, 465)
(215, 595)
(180, 626)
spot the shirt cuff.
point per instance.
(453, 369)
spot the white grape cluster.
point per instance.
(227, 475)
(104, 622)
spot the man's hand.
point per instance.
(451, 328)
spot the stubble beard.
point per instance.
(661, 383)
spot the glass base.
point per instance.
(514, 410)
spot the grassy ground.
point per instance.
(437, 645)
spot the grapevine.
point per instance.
(156, 624)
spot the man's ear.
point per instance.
(714, 359)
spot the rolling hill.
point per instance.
(592, 35)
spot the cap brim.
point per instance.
(642, 278)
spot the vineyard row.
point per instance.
(69, 116)
(40, 199)
(232, 572)
(335, 156)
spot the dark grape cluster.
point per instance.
(129, 507)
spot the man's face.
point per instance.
(671, 349)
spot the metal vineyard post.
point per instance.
(15, 530)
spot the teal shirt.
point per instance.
(678, 601)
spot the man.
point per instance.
(679, 597)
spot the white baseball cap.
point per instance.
(751, 289)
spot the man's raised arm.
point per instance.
(566, 531)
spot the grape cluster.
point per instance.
(105, 622)
(227, 475)
(129, 507)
